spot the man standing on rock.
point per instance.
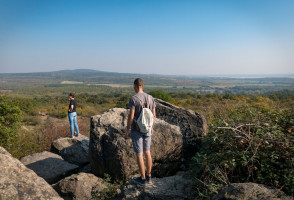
(141, 141)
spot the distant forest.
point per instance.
(91, 80)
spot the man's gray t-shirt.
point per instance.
(135, 104)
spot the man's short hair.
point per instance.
(138, 82)
(72, 94)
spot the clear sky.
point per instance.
(180, 37)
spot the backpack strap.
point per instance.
(147, 103)
(142, 103)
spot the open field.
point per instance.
(96, 82)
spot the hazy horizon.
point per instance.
(174, 75)
(190, 38)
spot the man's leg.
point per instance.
(146, 149)
(148, 162)
(141, 165)
(137, 140)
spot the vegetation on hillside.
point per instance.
(10, 118)
(56, 83)
(250, 136)
(249, 144)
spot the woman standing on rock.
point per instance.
(72, 114)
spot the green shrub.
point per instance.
(122, 101)
(110, 190)
(10, 118)
(251, 145)
(26, 105)
(161, 95)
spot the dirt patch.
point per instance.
(71, 82)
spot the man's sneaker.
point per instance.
(148, 178)
(140, 180)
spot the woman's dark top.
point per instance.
(74, 103)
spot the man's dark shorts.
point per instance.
(141, 142)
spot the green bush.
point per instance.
(251, 145)
(123, 101)
(26, 105)
(10, 118)
(161, 95)
(110, 190)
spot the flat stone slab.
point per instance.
(74, 150)
(171, 188)
(19, 182)
(65, 142)
(49, 166)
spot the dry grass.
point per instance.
(57, 128)
(34, 139)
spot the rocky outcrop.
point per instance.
(49, 166)
(171, 188)
(73, 150)
(86, 169)
(18, 182)
(111, 153)
(174, 140)
(79, 186)
(192, 125)
(237, 191)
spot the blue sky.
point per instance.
(181, 37)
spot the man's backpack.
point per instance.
(145, 120)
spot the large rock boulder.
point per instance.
(79, 186)
(192, 125)
(86, 169)
(74, 150)
(171, 188)
(111, 153)
(19, 182)
(236, 191)
(49, 166)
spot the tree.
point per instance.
(161, 95)
(10, 118)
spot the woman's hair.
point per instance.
(72, 94)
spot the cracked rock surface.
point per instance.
(20, 183)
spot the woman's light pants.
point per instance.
(73, 122)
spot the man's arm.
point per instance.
(130, 122)
(154, 119)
